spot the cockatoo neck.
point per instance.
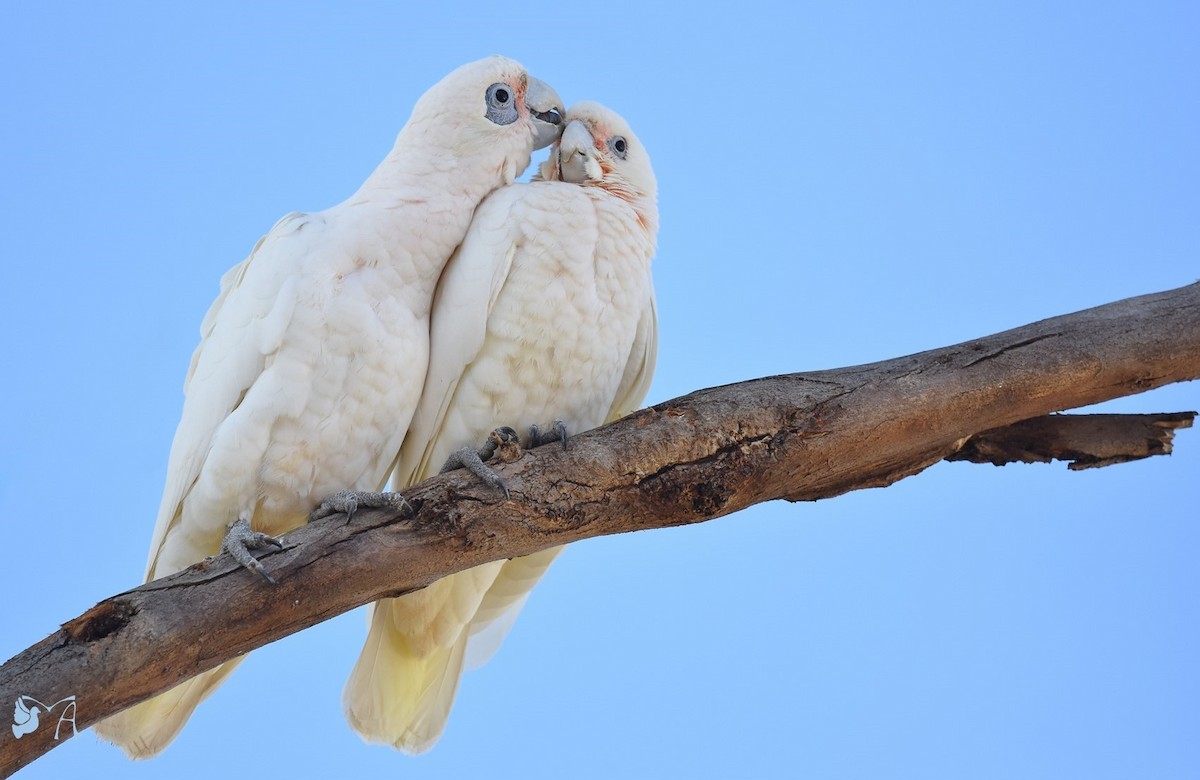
(423, 190)
(404, 174)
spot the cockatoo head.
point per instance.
(490, 107)
(597, 149)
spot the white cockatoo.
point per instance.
(544, 316)
(312, 358)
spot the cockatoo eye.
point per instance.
(618, 145)
(501, 108)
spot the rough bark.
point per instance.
(1086, 440)
(799, 437)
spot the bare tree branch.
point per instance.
(799, 437)
(1086, 440)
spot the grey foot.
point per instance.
(347, 502)
(557, 432)
(501, 439)
(241, 539)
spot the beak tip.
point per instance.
(546, 109)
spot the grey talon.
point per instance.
(240, 539)
(501, 442)
(469, 459)
(557, 432)
(347, 502)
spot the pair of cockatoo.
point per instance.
(440, 301)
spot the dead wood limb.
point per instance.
(799, 437)
(1086, 440)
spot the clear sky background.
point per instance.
(838, 184)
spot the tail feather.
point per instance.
(504, 600)
(403, 685)
(397, 697)
(145, 729)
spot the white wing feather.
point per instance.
(240, 333)
(506, 598)
(639, 371)
(241, 330)
(466, 294)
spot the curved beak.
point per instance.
(546, 109)
(577, 161)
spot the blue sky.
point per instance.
(838, 184)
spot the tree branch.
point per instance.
(800, 437)
(1086, 440)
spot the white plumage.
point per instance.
(546, 312)
(312, 358)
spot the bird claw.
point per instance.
(347, 502)
(501, 442)
(557, 432)
(240, 539)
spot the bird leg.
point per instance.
(503, 440)
(347, 502)
(557, 432)
(240, 539)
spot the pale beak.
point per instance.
(546, 109)
(577, 154)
